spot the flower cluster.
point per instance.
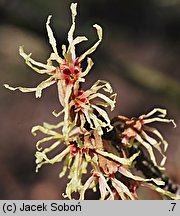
(80, 137)
(136, 129)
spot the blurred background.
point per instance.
(139, 55)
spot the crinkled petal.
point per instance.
(51, 126)
(45, 131)
(46, 139)
(149, 149)
(124, 161)
(66, 165)
(64, 50)
(104, 115)
(102, 189)
(70, 55)
(52, 147)
(88, 68)
(158, 134)
(22, 89)
(162, 113)
(85, 187)
(105, 98)
(161, 191)
(102, 84)
(75, 174)
(58, 114)
(30, 62)
(43, 159)
(98, 124)
(104, 186)
(93, 48)
(156, 119)
(155, 144)
(71, 31)
(67, 122)
(160, 118)
(78, 40)
(44, 84)
(121, 189)
(52, 40)
(128, 174)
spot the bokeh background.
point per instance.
(139, 55)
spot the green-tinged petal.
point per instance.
(58, 114)
(156, 119)
(105, 98)
(160, 117)
(52, 40)
(46, 139)
(124, 161)
(43, 159)
(161, 191)
(86, 113)
(22, 89)
(149, 149)
(102, 84)
(121, 189)
(158, 134)
(66, 165)
(155, 144)
(128, 174)
(162, 112)
(30, 62)
(51, 126)
(43, 130)
(93, 48)
(52, 147)
(104, 115)
(66, 128)
(98, 124)
(72, 186)
(75, 175)
(85, 187)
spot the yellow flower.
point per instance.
(69, 70)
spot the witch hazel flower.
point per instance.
(71, 153)
(69, 70)
(69, 73)
(85, 103)
(136, 129)
(112, 172)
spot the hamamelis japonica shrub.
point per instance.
(111, 148)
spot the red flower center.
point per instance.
(70, 72)
(79, 99)
(74, 149)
